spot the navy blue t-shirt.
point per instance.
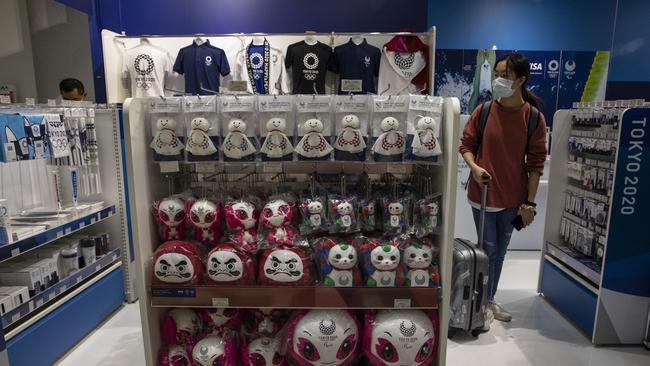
(354, 62)
(201, 66)
(256, 56)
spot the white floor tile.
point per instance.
(537, 336)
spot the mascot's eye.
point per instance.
(268, 212)
(413, 255)
(380, 257)
(277, 359)
(231, 266)
(164, 216)
(195, 217)
(179, 216)
(425, 351)
(164, 268)
(258, 360)
(351, 256)
(291, 266)
(392, 257)
(284, 209)
(338, 256)
(275, 264)
(386, 351)
(425, 255)
(242, 214)
(181, 269)
(348, 345)
(308, 350)
(209, 217)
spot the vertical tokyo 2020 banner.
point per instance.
(559, 78)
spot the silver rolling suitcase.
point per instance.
(469, 281)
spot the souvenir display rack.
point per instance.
(593, 240)
(149, 180)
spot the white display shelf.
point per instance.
(575, 261)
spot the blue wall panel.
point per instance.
(631, 50)
(48, 339)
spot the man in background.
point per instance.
(72, 89)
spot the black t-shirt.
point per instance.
(357, 62)
(309, 66)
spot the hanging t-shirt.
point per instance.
(256, 57)
(356, 64)
(146, 66)
(309, 64)
(201, 65)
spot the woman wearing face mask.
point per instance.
(510, 159)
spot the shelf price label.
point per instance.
(220, 302)
(402, 303)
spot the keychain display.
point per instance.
(180, 325)
(339, 262)
(367, 219)
(343, 215)
(389, 127)
(314, 218)
(351, 114)
(214, 350)
(227, 265)
(264, 322)
(396, 215)
(399, 337)
(205, 217)
(275, 113)
(426, 216)
(168, 130)
(285, 265)
(203, 137)
(314, 118)
(238, 116)
(177, 262)
(241, 220)
(423, 128)
(276, 218)
(381, 261)
(169, 215)
(417, 260)
(174, 355)
(262, 351)
(216, 320)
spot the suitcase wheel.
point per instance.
(476, 332)
(451, 332)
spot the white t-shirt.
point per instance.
(146, 66)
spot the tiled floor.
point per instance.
(537, 336)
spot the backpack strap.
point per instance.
(482, 121)
(533, 121)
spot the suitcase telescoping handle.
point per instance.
(481, 222)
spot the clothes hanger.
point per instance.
(310, 38)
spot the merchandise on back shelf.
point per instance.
(276, 124)
(309, 61)
(35, 131)
(214, 350)
(357, 64)
(399, 337)
(314, 118)
(275, 221)
(380, 262)
(227, 265)
(339, 262)
(261, 351)
(201, 63)
(426, 216)
(56, 136)
(343, 214)
(423, 128)
(216, 320)
(396, 214)
(404, 66)
(167, 129)
(264, 322)
(388, 127)
(314, 215)
(261, 67)
(418, 262)
(169, 215)
(351, 114)
(286, 265)
(205, 217)
(237, 114)
(174, 355)
(15, 144)
(146, 66)
(177, 262)
(180, 325)
(203, 138)
(323, 337)
(241, 220)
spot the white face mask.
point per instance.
(502, 88)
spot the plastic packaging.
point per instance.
(396, 214)
(238, 118)
(285, 265)
(264, 322)
(275, 221)
(381, 261)
(418, 263)
(399, 337)
(203, 139)
(174, 355)
(205, 217)
(339, 262)
(214, 350)
(314, 119)
(423, 128)
(276, 124)
(351, 114)
(180, 326)
(323, 337)
(262, 351)
(367, 216)
(216, 320)
(426, 216)
(241, 220)
(343, 214)
(167, 129)
(169, 214)
(177, 262)
(314, 215)
(389, 127)
(227, 265)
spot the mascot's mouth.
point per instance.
(275, 273)
(179, 275)
(231, 274)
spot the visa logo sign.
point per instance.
(536, 66)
